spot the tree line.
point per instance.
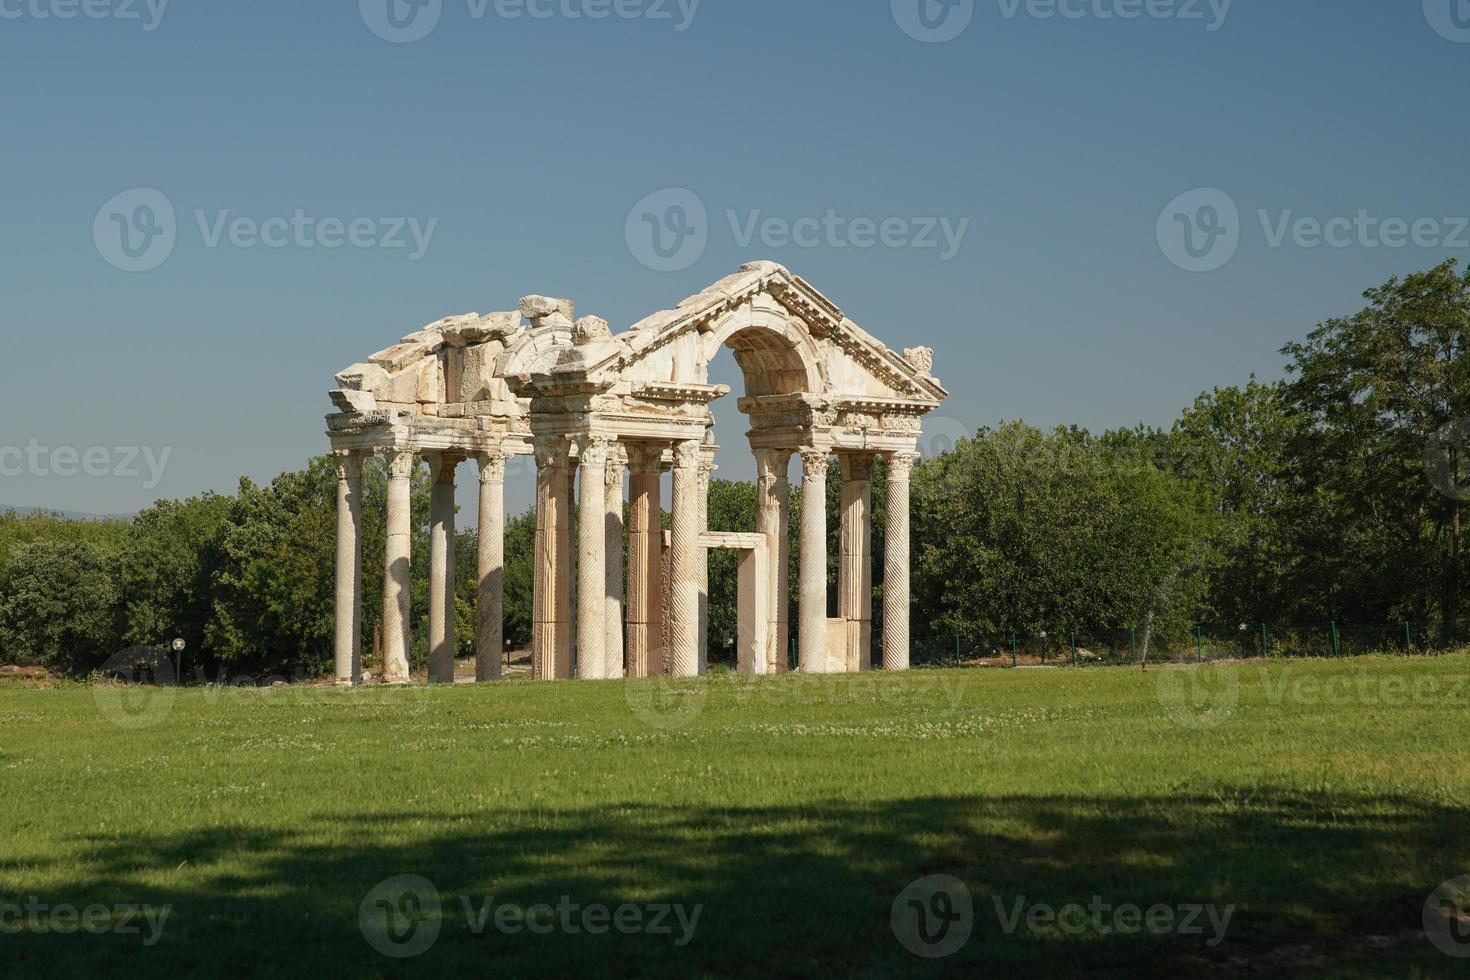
(1333, 494)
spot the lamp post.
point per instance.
(178, 646)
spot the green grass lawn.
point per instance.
(1321, 802)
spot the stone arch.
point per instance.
(776, 356)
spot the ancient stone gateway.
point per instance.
(589, 405)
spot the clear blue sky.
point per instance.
(529, 140)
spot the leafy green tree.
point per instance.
(59, 605)
(173, 553)
(1375, 536)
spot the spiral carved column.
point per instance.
(896, 563)
(684, 564)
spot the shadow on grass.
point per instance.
(784, 891)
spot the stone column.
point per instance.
(645, 587)
(772, 515)
(612, 639)
(399, 538)
(592, 558)
(707, 469)
(684, 564)
(443, 642)
(855, 582)
(490, 603)
(813, 608)
(563, 569)
(550, 576)
(896, 563)
(349, 566)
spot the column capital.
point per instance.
(644, 457)
(401, 463)
(492, 466)
(856, 466)
(592, 449)
(813, 462)
(348, 464)
(900, 465)
(687, 454)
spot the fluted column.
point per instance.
(550, 641)
(592, 558)
(398, 543)
(707, 469)
(443, 642)
(349, 567)
(684, 564)
(612, 638)
(772, 501)
(813, 609)
(855, 582)
(896, 563)
(645, 587)
(490, 601)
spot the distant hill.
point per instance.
(71, 515)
